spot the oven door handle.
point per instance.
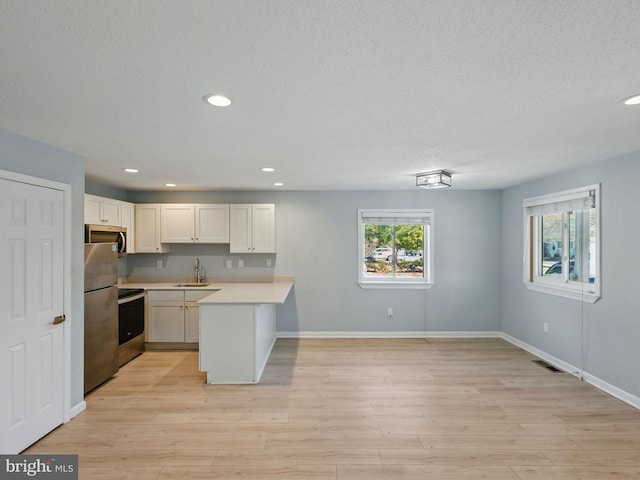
(131, 298)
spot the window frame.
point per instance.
(426, 281)
(562, 286)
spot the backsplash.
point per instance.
(178, 264)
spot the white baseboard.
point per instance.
(389, 334)
(611, 390)
(573, 370)
(464, 334)
(77, 409)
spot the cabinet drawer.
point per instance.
(165, 295)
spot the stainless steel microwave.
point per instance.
(107, 234)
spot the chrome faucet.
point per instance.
(196, 271)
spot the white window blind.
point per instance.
(578, 200)
(417, 217)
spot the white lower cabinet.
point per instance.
(166, 322)
(173, 315)
(191, 322)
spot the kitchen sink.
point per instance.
(192, 285)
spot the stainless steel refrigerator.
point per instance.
(100, 313)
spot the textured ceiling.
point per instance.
(351, 94)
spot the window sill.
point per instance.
(396, 285)
(573, 294)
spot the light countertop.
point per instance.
(275, 292)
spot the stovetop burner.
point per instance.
(129, 292)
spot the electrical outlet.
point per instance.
(159, 264)
(545, 327)
(390, 311)
(268, 262)
(229, 263)
(240, 263)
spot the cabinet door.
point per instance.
(128, 221)
(263, 233)
(191, 322)
(111, 212)
(166, 322)
(92, 209)
(240, 228)
(177, 223)
(212, 223)
(148, 229)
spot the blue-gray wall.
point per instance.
(602, 338)
(478, 262)
(22, 155)
(317, 242)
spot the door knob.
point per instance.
(59, 319)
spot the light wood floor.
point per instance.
(354, 410)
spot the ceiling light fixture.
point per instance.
(634, 100)
(217, 100)
(268, 169)
(170, 185)
(437, 179)
(131, 170)
(278, 184)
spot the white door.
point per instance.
(31, 297)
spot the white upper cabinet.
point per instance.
(177, 223)
(195, 223)
(147, 228)
(212, 223)
(128, 216)
(252, 228)
(102, 211)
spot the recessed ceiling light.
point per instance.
(217, 100)
(268, 169)
(170, 185)
(634, 100)
(278, 184)
(131, 170)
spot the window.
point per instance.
(562, 243)
(395, 248)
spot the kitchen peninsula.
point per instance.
(236, 323)
(238, 330)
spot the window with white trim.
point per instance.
(562, 243)
(395, 248)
